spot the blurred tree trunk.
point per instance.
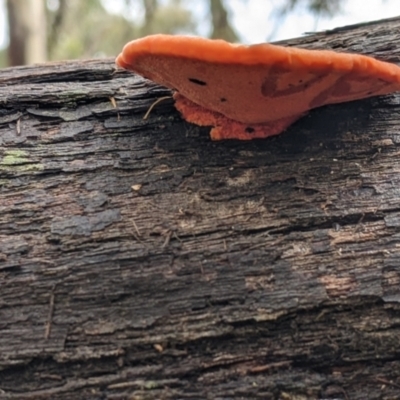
(56, 26)
(28, 35)
(150, 7)
(220, 22)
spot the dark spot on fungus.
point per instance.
(197, 81)
(269, 88)
(222, 99)
(249, 129)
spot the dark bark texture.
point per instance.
(140, 260)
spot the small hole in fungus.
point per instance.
(222, 99)
(197, 81)
(249, 129)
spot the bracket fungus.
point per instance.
(246, 92)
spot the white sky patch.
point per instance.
(135, 12)
(3, 25)
(252, 18)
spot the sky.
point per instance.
(250, 18)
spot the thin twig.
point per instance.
(51, 312)
(154, 104)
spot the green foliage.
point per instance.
(99, 33)
(3, 58)
(173, 18)
(87, 31)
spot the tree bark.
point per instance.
(140, 260)
(27, 30)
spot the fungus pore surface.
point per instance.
(247, 92)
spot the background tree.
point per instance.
(91, 37)
(54, 33)
(221, 27)
(42, 30)
(27, 32)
